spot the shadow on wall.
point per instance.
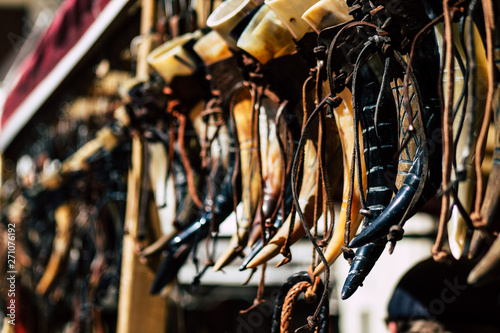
(435, 297)
(216, 310)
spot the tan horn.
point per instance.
(212, 48)
(344, 116)
(60, 247)
(307, 198)
(327, 13)
(165, 58)
(250, 182)
(457, 227)
(289, 12)
(227, 16)
(265, 37)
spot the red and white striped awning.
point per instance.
(76, 27)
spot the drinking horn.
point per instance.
(269, 43)
(265, 37)
(379, 151)
(289, 13)
(223, 20)
(60, 248)
(227, 16)
(466, 127)
(270, 174)
(308, 191)
(106, 140)
(290, 82)
(307, 200)
(250, 183)
(175, 64)
(257, 247)
(222, 171)
(488, 225)
(344, 116)
(413, 189)
(489, 266)
(380, 147)
(324, 14)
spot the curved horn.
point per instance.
(344, 117)
(425, 102)
(182, 244)
(457, 227)
(488, 269)
(365, 92)
(278, 223)
(490, 209)
(60, 248)
(307, 198)
(395, 211)
(249, 178)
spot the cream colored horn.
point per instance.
(457, 227)
(289, 12)
(265, 37)
(250, 181)
(170, 59)
(307, 198)
(212, 48)
(227, 15)
(60, 247)
(344, 117)
(327, 13)
(488, 268)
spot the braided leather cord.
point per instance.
(323, 321)
(290, 299)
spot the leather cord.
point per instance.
(489, 22)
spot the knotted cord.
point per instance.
(285, 250)
(299, 157)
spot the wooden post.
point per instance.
(144, 48)
(138, 311)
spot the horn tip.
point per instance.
(319, 269)
(351, 284)
(268, 252)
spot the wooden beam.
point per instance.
(138, 311)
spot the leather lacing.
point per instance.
(299, 156)
(447, 130)
(448, 191)
(309, 291)
(213, 109)
(384, 44)
(489, 22)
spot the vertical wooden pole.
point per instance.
(144, 48)
(138, 311)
